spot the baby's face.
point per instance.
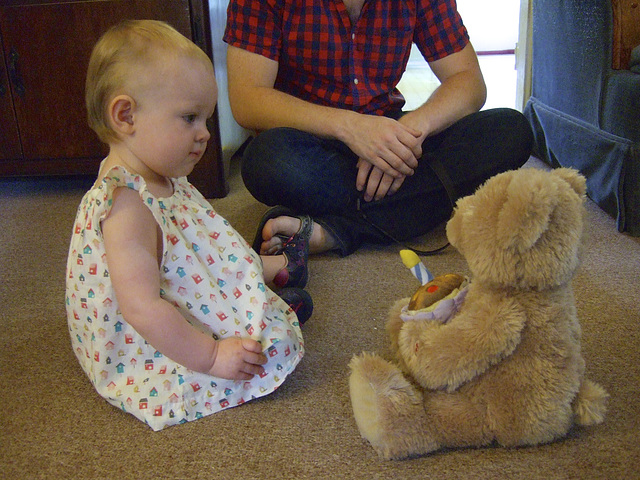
(170, 116)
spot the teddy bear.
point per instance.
(502, 366)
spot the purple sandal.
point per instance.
(299, 301)
(296, 249)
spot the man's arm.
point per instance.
(462, 91)
(257, 105)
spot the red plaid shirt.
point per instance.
(324, 59)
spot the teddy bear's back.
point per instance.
(527, 396)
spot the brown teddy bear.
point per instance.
(505, 366)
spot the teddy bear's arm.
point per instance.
(446, 356)
(394, 323)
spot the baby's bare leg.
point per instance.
(272, 264)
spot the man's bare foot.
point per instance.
(320, 241)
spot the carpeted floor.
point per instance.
(56, 427)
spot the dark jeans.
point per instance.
(316, 176)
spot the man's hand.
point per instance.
(378, 184)
(384, 143)
(376, 176)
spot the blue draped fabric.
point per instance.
(584, 114)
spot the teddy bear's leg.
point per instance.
(389, 411)
(457, 420)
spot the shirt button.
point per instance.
(353, 36)
(355, 81)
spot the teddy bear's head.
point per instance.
(522, 228)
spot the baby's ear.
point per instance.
(121, 114)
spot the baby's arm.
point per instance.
(133, 245)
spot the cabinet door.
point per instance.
(51, 44)
(626, 31)
(9, 139)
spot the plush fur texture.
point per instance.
(507, 367)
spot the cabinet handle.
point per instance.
(14, 73)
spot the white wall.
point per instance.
(232, 135)
(492, 24)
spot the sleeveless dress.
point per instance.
(209, 273)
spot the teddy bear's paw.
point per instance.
(388, 410)
(368, 385)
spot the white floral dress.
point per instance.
(209, 273)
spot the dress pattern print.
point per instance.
(209, 273)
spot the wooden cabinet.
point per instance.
(626, 31)
(9, 138)
(45, 52)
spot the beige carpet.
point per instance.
(55, 426)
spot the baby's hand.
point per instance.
(238, 359)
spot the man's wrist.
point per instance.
(339, 124)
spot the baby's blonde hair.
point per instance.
(114, 57)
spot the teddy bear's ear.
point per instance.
(527, 209)
(573, 178)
